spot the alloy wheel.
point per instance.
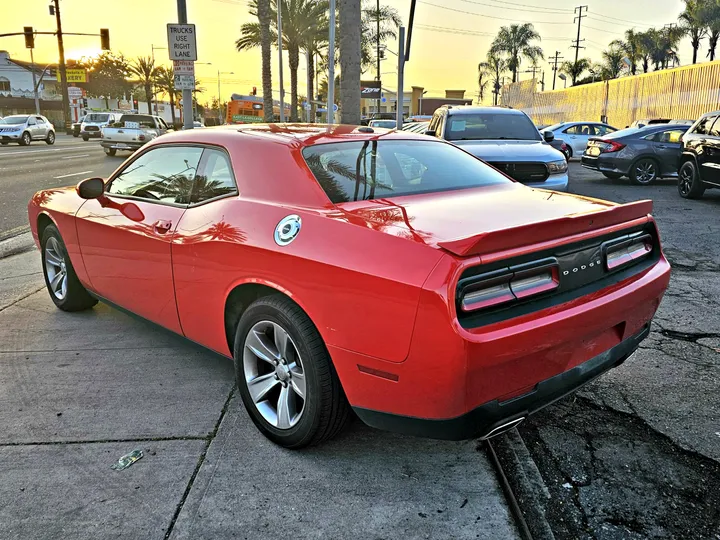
(686, 180)
(51, 137)
(26, 139)
(274, 374)
(56, 268)
(645, 172)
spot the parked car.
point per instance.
(265, 242)
(25, 128)
(700, 157)
(94, 122)
(505, 138)
(131, 132)
(77, 125)
(577, 134)
(557, 144)
(385, 124)
(642, 154)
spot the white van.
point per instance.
(94, 122)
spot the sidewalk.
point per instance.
(79, 390)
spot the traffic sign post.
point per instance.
(184, 82)
(181, 42)
(184, 67)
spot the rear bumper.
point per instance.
(121, 146)
(604, 165)
(91, 134)
(487, 418)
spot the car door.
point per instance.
(126, 235)
(32, 127)
(667, 146)
(40, 131)
(577, 137)
(707, 148)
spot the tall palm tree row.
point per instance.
(491, 70)
(165, 84)
(144, 68)
(515, 43)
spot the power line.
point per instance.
(486, 16)
(579, 18)
(615, 19)
(514, 8)
(555, 10)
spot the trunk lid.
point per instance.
(484, 220)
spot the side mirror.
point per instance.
(549, 136)
(431, 132)
(91, 188)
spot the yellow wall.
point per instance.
(681, 93)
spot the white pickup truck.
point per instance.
(131, 132)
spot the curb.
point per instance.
(526, 482)
(15, 245)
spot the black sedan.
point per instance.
(643, 154)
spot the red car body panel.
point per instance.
(378, 278)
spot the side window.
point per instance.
(39, 120)
(31, 121)
(574, 130)
(163, 125)
(434, 122)
(440, 133)
(672, 136)
(714, 131)
(216, 178)
(655, 137)
(165, 174)
(704, 125)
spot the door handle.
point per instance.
(162, 226)
(662, 146)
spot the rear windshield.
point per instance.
(491, 126)
(354, 171)
(97, 117)
(623, 133)
(142, 119)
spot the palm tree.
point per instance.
(165, 83)
(389, 20)
(264, 19)
(515, 42)
(484, 74)
(144, 68)
(711, 17)
(663, 46)
(350, 34)
(613, 60)
(632, 47)
(693, 24)
(301, 20)
(647, 44)
(494, 65)
(575, 69)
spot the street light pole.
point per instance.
(219, 94)
(35, 84)
(401, 73)
(61, 66)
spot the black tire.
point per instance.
(25, 140)
(76, 134)
(4, 143)
(76, 297)
(325, 408)
(690, 185)
(50, 139)
(110, 151)
(644, 172)
(612, 176)
(86, 138)
(569, 152)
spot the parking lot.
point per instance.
(634, 455)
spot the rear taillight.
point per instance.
(607, 147)
(141, 137)
(509, 285)
(621, 253)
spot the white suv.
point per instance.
(94, 122)
(25, 128)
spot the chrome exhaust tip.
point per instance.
(503, 428)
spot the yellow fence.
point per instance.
(683, 93)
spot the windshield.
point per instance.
(491, 126)
(387, 124)
(14, 120)
(97, 117)
(353, 171)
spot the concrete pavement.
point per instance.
(79, 390)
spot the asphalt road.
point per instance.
(27, 169)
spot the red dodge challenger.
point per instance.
(344, 267)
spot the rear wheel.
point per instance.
(62, 282)
(50, 139)
(569, 151)
(690, 185)
(86, 138)
(644, 172)
(4, 143)
(25, 139)
(285, 375)
(612, 176)
(110, 151)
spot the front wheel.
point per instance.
(62, 282)
(86, 138)
(110, 151)
(644, 172)
(285, 375)
(690, 185)
(50, 138)
(25, 139)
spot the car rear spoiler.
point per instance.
(533, 233)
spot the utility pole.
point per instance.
(377, 108)
(331, 67)
(579, 18)
(401, 78)
(555, 59)
(542, 82)
(280, 72)
(63, 74)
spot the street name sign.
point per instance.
(181, 42)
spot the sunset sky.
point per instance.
(450, 36)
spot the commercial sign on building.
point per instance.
(74, 75)
(181, 42)
(370, 89)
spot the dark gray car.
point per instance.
(643, 154)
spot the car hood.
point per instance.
(483, 220)
(511, 151)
